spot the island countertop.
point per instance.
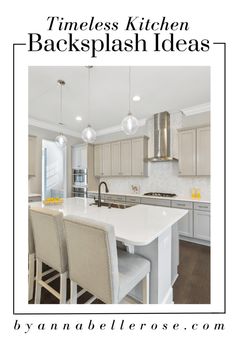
(137, 225)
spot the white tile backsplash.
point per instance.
(163, 177)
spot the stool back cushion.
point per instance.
(48, 232)
(92, 257)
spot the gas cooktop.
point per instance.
(159, 194)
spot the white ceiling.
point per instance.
(161, 88)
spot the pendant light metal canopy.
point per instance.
(60, 139)
(88, 134)
(130, 124)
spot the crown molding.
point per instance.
(197, 109)
(53, 127)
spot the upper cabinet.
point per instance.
(139, 156)
(122, 158)
(194, 151)
(102, 160)
(79, 157)
(32, 141)
(203, 151)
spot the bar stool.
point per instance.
(96, 266)
(50, 248)
(31, 259)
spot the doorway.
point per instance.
(53, 170)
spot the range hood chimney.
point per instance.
(160, 138)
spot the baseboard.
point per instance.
(195, 241)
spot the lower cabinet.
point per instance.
(185, 225)
(202, 225)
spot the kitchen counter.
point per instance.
(175, 198)
(144, 230)
(137, 225)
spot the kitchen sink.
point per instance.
(112, 204)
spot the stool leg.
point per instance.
(63, 287)
(38, 278)
(145, 284)
(31, 275)
(73, 292)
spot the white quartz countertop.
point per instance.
(174, 198)
(137, 225)
(34, 195)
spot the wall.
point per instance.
(163, 176)
(35, 183)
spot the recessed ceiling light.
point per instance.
(78, 118)
(136, 98)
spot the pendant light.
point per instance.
(130, 124)
(88, 134)
(60, 139)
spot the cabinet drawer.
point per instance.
(91, 195)
(201, 206)
(182, 204)
(156, 202)
(114, 197)
(134, 199)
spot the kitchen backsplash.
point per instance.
(163, 177)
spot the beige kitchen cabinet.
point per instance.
(194, 151)
(97, 160)
(138, 157)
(102, 160)
(187, 152)
(116, 158)
(203, 151)
(106, 156)
(32, 145)
(121, 158)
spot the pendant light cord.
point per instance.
(88, 95)
(129, 90)
(60, 104)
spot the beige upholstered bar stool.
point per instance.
(31, 259)
(50, 248)
(95, 265)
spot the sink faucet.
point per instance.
(99, 195)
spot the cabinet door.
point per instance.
(137, 160)
(126, 157)
(76, 156)
(32, 155)
(202, 225)
(187, 152)
(83, 155)
(106, 159)
(203, 151)
(98, 160)
(116, 158)
(185, 225)
(79, 157)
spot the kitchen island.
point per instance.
(146, 230)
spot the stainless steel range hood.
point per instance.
(160, 138)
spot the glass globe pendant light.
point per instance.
(88, 134)
(130, 124)
(60, 139)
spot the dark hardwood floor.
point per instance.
(191, 287)
(193, 283)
